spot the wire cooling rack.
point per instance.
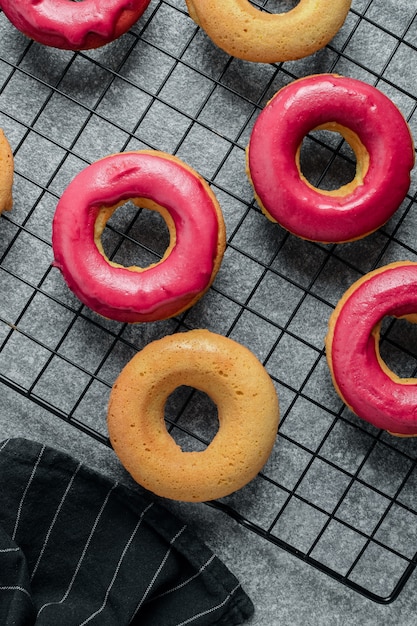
(335, 492)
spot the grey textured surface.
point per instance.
(334, 489)
(285, 590)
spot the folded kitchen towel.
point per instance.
(77, 548)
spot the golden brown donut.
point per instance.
(247, 407)
(245, 32)
(6, 174)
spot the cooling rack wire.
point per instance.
(336, 492)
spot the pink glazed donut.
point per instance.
(362, 379)
(372, 125)
(73, 25)
(152, 180)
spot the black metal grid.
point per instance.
(336, 492)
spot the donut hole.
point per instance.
(134, 235)
(326, 160)
(279, 6)
(398, 346)
(332, 159)
(191, 417)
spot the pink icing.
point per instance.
(278, 132)
(387, 402)
(73, 25)
(159, 291)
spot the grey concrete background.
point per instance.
(334, 488)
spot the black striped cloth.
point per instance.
(76, 548)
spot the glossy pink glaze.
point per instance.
(119, 293)
(278, 132)
(371, 393)
(73, 25)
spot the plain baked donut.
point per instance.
(372, 125)
(362, 379)
(245, 32)
(6, 174)
(73, 25)
(156, 181)
(248, 414)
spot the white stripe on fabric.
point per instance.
(211, 610)
(164, 560)
(19, 510)
(3, 550)
(116, 571)
(16, 588)
(187, 581)
(4, 444)
(87, 543)
(60, 505)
